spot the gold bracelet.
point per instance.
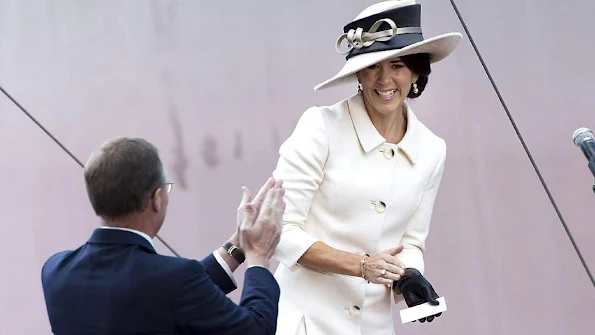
(362, 266)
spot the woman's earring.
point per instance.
(359, 88)
(415, 89)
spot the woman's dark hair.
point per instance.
(419, 64)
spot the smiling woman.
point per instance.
(386, 84)
(361, 177)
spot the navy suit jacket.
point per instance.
(116, 283)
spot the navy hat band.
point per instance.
(392, 29)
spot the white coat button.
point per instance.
(380, 207)
(354, 311)
(388, 153)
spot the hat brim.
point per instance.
(438, 47)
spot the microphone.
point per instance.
(584, 139)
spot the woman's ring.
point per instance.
(383, 272)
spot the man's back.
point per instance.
(118, 284)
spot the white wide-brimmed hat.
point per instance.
(385, 30)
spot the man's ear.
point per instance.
(157, 200)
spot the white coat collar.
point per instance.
(370, 138)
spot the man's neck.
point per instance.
(144, 235)
(131, 222)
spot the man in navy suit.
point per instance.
(117, 284)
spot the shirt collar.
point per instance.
(145, 236)
(370, 138)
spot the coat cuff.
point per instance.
(293, 244)
(412, 257)
(225, 267)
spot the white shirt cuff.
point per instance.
(225, 267)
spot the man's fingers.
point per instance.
(278, 183)
(249, 212)
(245, 197)
(259, 198)
(276, 200)
(278, 197)
(245, 209)
(280, 206)
(267, 203)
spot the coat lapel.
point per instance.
(370, 138)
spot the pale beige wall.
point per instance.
(218, 85)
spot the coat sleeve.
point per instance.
(302, 158)
(201, 307)
(218, 275)
(417, 230)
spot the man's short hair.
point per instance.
(121, 175)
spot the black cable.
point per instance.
(67, 151)
(580, 256)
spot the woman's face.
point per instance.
(385, 85)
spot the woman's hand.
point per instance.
(384, 267)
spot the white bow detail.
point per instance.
(357, 38)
